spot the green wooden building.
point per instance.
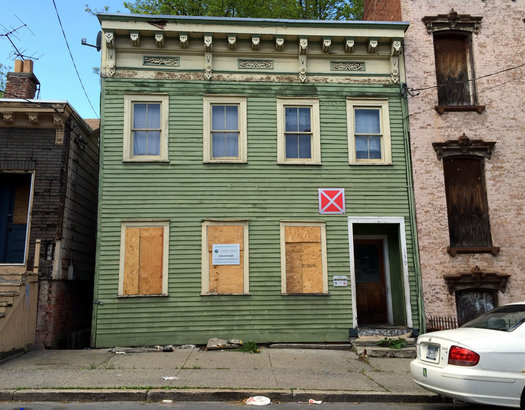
(255, 181)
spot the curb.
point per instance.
(195, 395)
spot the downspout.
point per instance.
(412, 208)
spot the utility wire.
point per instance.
(73, 60)
(466, 81)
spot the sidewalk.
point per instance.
(192, 374)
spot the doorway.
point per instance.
(15, 195)
(370, 277)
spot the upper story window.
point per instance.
(145, 128)
(368, 131)
(298, 140)
(224, 128)
(454, 61)
(466, 193)
(454, 71)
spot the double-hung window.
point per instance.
(145, 128)
(368, 132)
(224, 129)
(298, 138)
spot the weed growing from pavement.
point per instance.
(249, 347)
(393, 343)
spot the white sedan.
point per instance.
(483, 361)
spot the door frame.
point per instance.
(386, 267)
(394, 220)
(29, 215)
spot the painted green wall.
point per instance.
(185, 191)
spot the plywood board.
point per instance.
(226, 278)
(294, 272)
(225, 234)
(131, 261)
(302, 234)
(151, 257)
(312, 268)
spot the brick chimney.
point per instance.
(382, 10)
(21, 83)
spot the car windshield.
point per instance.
(506, 318)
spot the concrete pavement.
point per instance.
(146, 374)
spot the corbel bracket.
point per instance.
(135, 38)
(159, 39)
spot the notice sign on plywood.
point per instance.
(226, 254)
(331, 201)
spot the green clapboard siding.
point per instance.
(185, 191)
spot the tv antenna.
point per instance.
(11, 33)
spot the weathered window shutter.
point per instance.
(452, 70)
(468, 216)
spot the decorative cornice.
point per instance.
(476, 279)
(110, 39)
(232, 41)
(303, 45)
(279, 43)
(159, 39)
(452, 21)
(135, 38)
(161, 61)
(256, 42)
(32, 117)
(183, 40)
(59, 129)
(349, 45)
(464, 146)
(372, 45)
(7, 116)
(327, 43)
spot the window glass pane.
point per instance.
(374, 145)
(218, 144)
(218, 121)
(361, 147)
(153, 116)
(367, 122)
(153, 143)
(140, 142)
(291, 115)
(304, 120)
(139, 115)
(292, 149)
(232, 117)
(232, 149)
(305, 150)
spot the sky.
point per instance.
(43, 40)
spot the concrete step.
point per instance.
(5, 303)
(384, 331)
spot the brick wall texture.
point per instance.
(499, 45)
(382, 10)
(20, 85)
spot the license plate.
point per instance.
(432, 352)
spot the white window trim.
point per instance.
(165, 254)
(384, 116)
(208, 101)
(163, 100)
(205, 264)
(324, 262)
(313, 104)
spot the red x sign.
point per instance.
(331, 200)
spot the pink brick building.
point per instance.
(465, 88)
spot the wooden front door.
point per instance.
(370, 281)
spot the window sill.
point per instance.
(370, 163)
(146, 160)
(142, 296)
(226, 294)
(305, 294)
(441, 109)
(298, 163)
(225, 161)
(453, 251)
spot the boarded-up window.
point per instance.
(304, 258)
(225, 258)
(144, 259)
(468, 214)
(452, 69)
